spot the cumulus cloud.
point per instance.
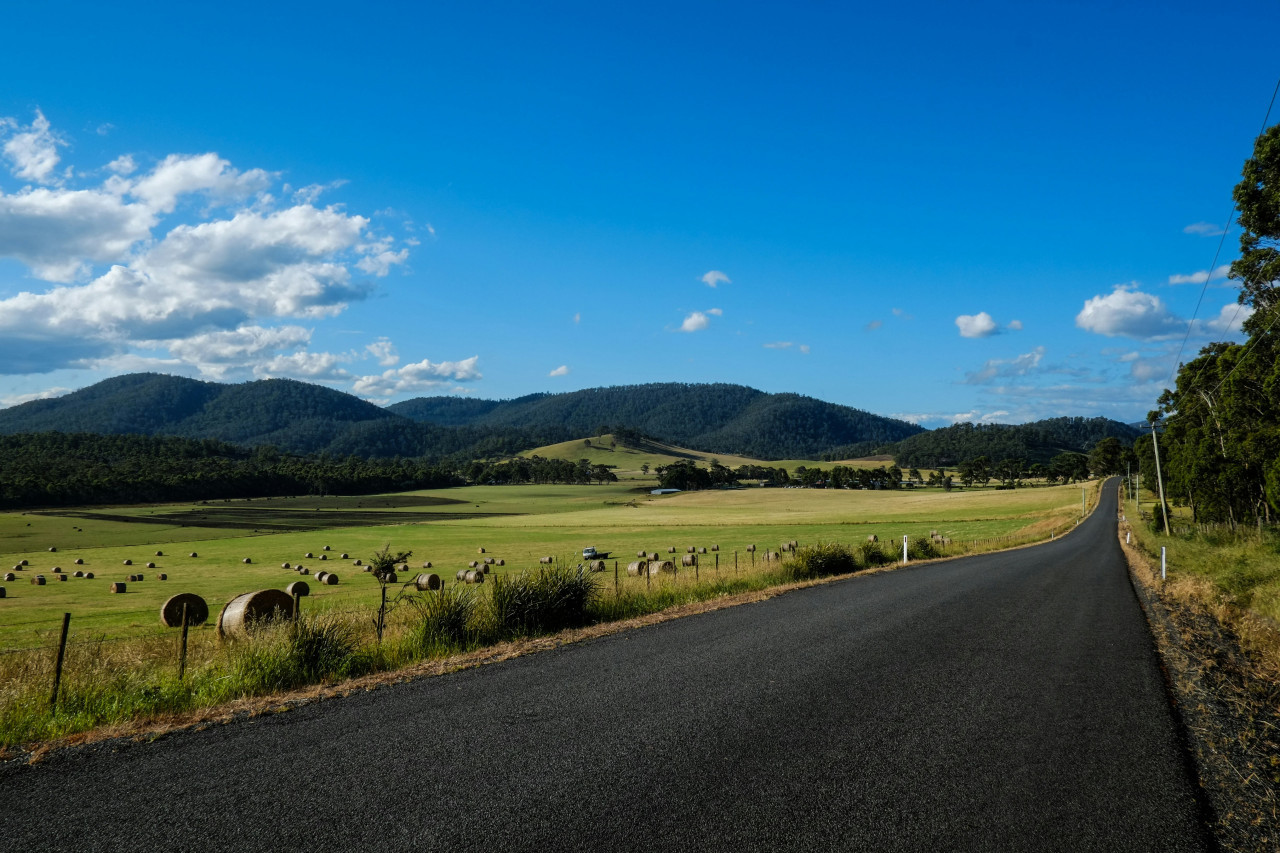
(384, 351)
(1204, 229)
(32, 149)
(714, 277)
(994, 368)
(1129, 312)
(1230, 321)
(979, 325)
(562, 370)
(205, 287)
(19, 399)
(1202, 276)
(424, 375)
(1014, 325)
(311, 193)
(699, 320)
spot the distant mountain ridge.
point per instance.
(1038, 441)
(718, 418)
(303, 418)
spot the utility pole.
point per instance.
(1164, 507)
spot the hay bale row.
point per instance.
(171, 610)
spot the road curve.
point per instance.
(1005, 702)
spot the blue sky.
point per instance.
(999, 212)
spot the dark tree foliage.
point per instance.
(60, 469)
(1034, 442)
(1220, 444)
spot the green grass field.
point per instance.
(518, 524)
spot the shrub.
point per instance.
(547, 600)
(822, 560)
(873, 555)
(922, 548)
(445, 619)
(300, 652)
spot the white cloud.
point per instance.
(421, 376)
(577, 318)
(1204, 229)
(695, 322)
(804, 348)
(873, 325)
(997, 367)
(1014, 325)
(1202, 276)
(19, 399)
(384, 351)
(903, 315)
(315, 366)
(311, 193)
(715, 312)
(123, 165)
(714, 277)
(1129, 312)
(978, 325)
(56, 232)
(778, 345)
(562, 370)
(33, 150)
(1229, 321)
(181, 174)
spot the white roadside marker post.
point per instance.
(1163, 563)
(904, 550)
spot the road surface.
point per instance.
(1005, 702)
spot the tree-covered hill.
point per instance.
(1038, 441)
(717, 418)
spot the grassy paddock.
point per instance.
(121, 665)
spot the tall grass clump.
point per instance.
(873, 555)
(821, 560)
(309, 650)
(544, 601)
(922, 548)
(444, 622)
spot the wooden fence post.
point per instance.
(57, 667)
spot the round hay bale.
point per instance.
(671, 550)
(357, 563)
(479, 577)
(88, 576)
(473, 564)
(702, 550)
(51, 550)
(10, 576)
(345, 556)
(427, 564)
(309, 555)
(162, 577)
(79, 561)
(77, 573)
(652, 555)
(549, 560)
(689, 560)
(285, 566)
(330, 579)
(133, 578)
(57, 570)
(715, 547)
(425, 582)
(159, 553)
(38, 580)
(327, 548)
(246, 609)
(794, 544)
(298, 588)
(644, 555)
(151, 565)
(391, 577)
(596, 565)
(24, 563)
(171, 610)
(484, 569)
(140, 577)
(873, 538)
(324, 556)
(2, 593)
(772, 555)
(637, 568)
(368, 568)
(469, 576)
(657, 566)
(689, 550)
(62, 577)
(479, 550)
(488, 561)
(302, 570)
(751, 548)
(461, 575)
(246, 561)
(128, 562)
(118, 586)
(500, 562)
(320, 576)
(17, 567)
(193, 554)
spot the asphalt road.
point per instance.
(1004, 702)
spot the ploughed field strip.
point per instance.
(277, 520)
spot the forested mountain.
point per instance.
(718, 418)
(1035, 442)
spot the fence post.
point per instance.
(615, 578)
(57, 667)
(182, 654)
(904, 549)
(1163, 563)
